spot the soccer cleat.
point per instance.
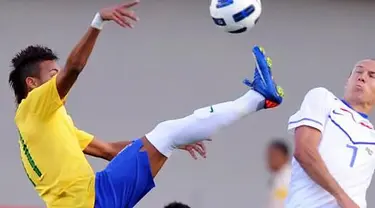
(263, 81)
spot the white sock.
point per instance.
(204, 122)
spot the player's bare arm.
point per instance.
(108, 150)
(104, 150)
(307, 140)
(78, 57)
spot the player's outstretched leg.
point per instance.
(204, 122)
(129, 176)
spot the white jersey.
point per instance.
(279, 187)
(347, 148)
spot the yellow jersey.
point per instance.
(52, 150)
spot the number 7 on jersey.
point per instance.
(354, 154)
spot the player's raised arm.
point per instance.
(308, 124)
(121, 14)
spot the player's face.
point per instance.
(47, 69)
(360, 87)
(275, 159)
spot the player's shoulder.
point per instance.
(22, 108)
(40, 98)
(320, 94)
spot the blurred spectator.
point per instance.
(176, 205)
(278, 162)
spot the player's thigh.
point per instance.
(156, 159)
(126, 179)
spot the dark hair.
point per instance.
(280, 144)
(176, 205)
(26, 64)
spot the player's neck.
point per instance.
(358, 106)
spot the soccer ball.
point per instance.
(235, 16)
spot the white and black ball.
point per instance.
(235, 16)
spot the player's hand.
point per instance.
(121, 14)
(195, 148)
(347, 203)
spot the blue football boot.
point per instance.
(263, 81)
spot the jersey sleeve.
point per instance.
(314, 110)
(44, 100)
(84, 138)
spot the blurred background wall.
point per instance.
(174, 61)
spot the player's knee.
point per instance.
(162, 129)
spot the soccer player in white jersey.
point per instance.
(334, 156)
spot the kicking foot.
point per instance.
(263, 81)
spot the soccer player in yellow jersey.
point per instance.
(52, 148)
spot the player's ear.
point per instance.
(346, 83)
(348, 79)
(31, 82)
